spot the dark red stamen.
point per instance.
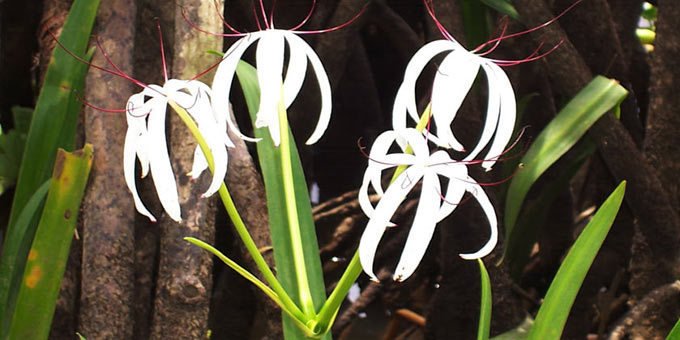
(264, 15)
(335, 28)
(309, 15)
(198, 28)
(160, 41)
(226, 24)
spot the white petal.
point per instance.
(324, 86)
(199, 165)
(453, 81)
(492, 111)
(423, 227)
(224, 75)
(418, 144)
(415, 68)
(136, 119)
(380, 219)
(457, 175)
(484, 202)
(161, 170)
(295, 74)
(506, 121)
(129, 152)
(269, 58)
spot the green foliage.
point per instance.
(271, 158)
(674, 334)
(563, 132)
(39, 289)
(484, 327)
(503, 7)
(12, 145)
(554, 311)
(52, 126)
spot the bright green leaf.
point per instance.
(554, 311)
(503, 7)
(570, 124)
(674, 334)
(484, 327)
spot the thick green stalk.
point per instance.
(236, 219)
(304, 292)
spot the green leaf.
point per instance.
(503, 7)
(39, 289)
(484, 328)
(674, 334)
(570, 124)
(518, 333)
(554, 311)
(528, 225)
(12, 145)
(14, 252)
(270, 158)
(55, 117)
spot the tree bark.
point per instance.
(108, 212)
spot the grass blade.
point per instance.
(554, 311)
(503, 7)
(485, 306)
(269, 158)
(39, 289)
(570, 124)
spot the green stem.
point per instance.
(304, 291)
(332, 305)
(236, 219)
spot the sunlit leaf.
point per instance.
(557, 303)
(270, 159)
(484, 327)
(570, 124)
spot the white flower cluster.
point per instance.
(452, 82)
(209, 107)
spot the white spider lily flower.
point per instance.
(452, 82)
(434, 204)
(274, 88)
(145, 140)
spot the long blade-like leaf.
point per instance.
(270, 157)
(39, 289)
(674, 334)
(554, 311)
(572, 122)
(484, 328)
(55, 117)
(54, 120)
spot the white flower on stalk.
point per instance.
(274, 88)
(145, 140)
(434, 204)
(452, 82)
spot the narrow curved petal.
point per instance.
(324, 86)
(199, 164)
(389, 203)
(415, 68)
(201, 112)
(492, 111)
(269, 58)
(481, 197)
(295, 74)
(423, 227)
(136, 118)
(506, 120)
(129, 153)
(224, 75)
(161, 170)
(443, 165)
(453, 81)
